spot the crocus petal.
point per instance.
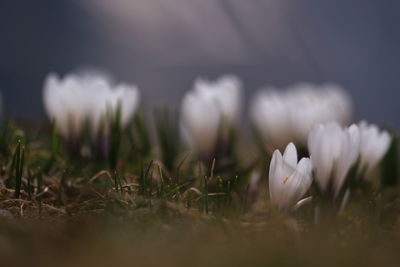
(290, 155)
(300, 181)
(275, 173)
(350, 147)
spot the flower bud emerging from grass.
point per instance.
(374, 145)
(289, 180)
(209, 111)
(333, 150)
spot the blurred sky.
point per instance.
(163, 45)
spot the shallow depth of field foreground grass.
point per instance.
(141, 205)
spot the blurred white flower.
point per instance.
(270, 116)
(225, 92)
(287, 116)
(288, 180)
(374, 145)
(333, 150)
(311, 105)
(199, 122)
(80, 98)
(209, 108)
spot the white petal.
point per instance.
(290, 156)
(275, 174)
(350, 147)
(301, 179)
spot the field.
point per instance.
(151, 202)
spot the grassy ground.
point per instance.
(152, 203)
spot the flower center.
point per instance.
(285, 180)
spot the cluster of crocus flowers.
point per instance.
(209, 111)
(310, 116)
(283, 116)
(87, 99)
(334, 150)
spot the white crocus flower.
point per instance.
(333, 150)
(311, 105)
(281, 117)
(374, 145)
(209, 108)
(288, 180)
(271, 119)
(80, 98)
(226, 92)
(199, 123)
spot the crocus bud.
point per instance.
(289, 180)
(333, 150)
(210, 109)
(374, 145)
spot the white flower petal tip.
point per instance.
(87, 97)
(289, 180)
(301, 203)
(374, 145)
(210, 106)
(333, 151)
(283, 116)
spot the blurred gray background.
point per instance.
(163, 45)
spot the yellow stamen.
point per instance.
(285, 180)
